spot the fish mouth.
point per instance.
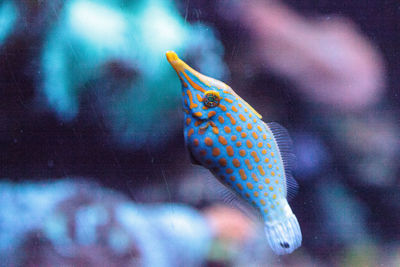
(171, 57)
(176, 62)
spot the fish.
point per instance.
(253, 159)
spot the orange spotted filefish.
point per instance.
(254, 159)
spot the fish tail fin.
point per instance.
(284, 236)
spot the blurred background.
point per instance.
(93, 167)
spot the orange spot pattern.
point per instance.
(216, 151)
(222, 107)
(249, 185)
(211, 113)
(222, 162)
(208, 141)
(249, 144)
(229, 150)
(222, 140)
(260, 168)
(255, 178)
(233, 121)
(248, 164)
(255, 156)
(236, 162)
(242, 174)
(227, 129)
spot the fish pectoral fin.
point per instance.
(193, 160)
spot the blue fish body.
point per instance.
(226, 135)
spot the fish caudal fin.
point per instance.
(284, 236)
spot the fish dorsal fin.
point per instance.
(285, 146)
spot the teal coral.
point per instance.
(83, 49)
(8, 17)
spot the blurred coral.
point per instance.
(73, 222)
(229, 223)
(372, 140)
(8, 16)
(328, 59)
(120, 52)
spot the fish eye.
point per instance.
(211, 99)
